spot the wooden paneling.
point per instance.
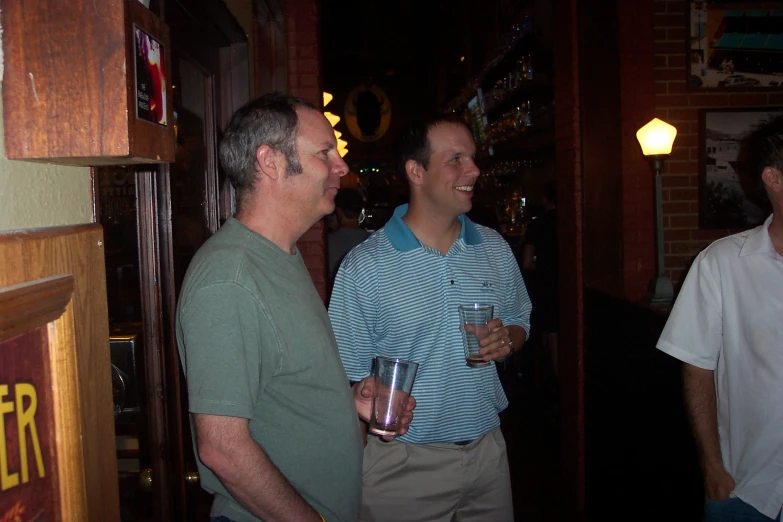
(153, 342)
(69, 83)
(599, 90)
(24, 308)
(77, 251)
(568, 166)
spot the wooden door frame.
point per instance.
(165, 458)
(271, 51)
(228, 89)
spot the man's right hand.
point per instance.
(718, 484)
(701, 405)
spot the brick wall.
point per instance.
(680, 107)
(304, 80)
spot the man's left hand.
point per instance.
(496, 346)
(363, 392)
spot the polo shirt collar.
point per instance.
(404, 240)
(758, 241)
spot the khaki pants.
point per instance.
(437, 482)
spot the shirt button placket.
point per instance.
(452, 287)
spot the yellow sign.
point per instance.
(367, 113)
(25, 424)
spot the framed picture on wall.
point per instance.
(726, 194)
(735, 45)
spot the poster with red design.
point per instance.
(29, 489)
(150, 78)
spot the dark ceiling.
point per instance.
(378, 36)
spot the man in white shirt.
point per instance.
(727, 327)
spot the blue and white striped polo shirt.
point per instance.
(395, 297)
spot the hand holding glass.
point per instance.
(473, 324)
(393, 385)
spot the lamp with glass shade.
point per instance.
(656, 139)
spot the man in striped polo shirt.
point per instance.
(396, 295)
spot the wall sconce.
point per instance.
(333, 118)
(327, 98)
(656, 139)
(342, 147)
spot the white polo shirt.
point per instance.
(728, 317)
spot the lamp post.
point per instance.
(656, 139)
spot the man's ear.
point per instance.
(773, 179)
(415, 172)
(271, 163)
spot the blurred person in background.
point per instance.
(349, 211)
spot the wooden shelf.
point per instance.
(535, 91)
(499, 67)
(532, 139)
(70, 87)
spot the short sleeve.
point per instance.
(693, 332)
(352, 310)
(222, 350)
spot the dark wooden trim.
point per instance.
(95, 196)
(268, 10)
(270, 56)
(26, 306)
(211, 186)
(175, 403)
(154, 356)
(211, 14)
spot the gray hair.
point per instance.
(269, 120)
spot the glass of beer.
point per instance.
(473, 324)
(393, 385)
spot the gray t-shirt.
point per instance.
(255, 342)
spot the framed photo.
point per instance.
(724, 201)
(735, 45)
(150, 78)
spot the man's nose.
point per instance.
(340, 167)
(473, 169)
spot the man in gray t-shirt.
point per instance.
(274, 417)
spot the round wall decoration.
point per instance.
(367, 112)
